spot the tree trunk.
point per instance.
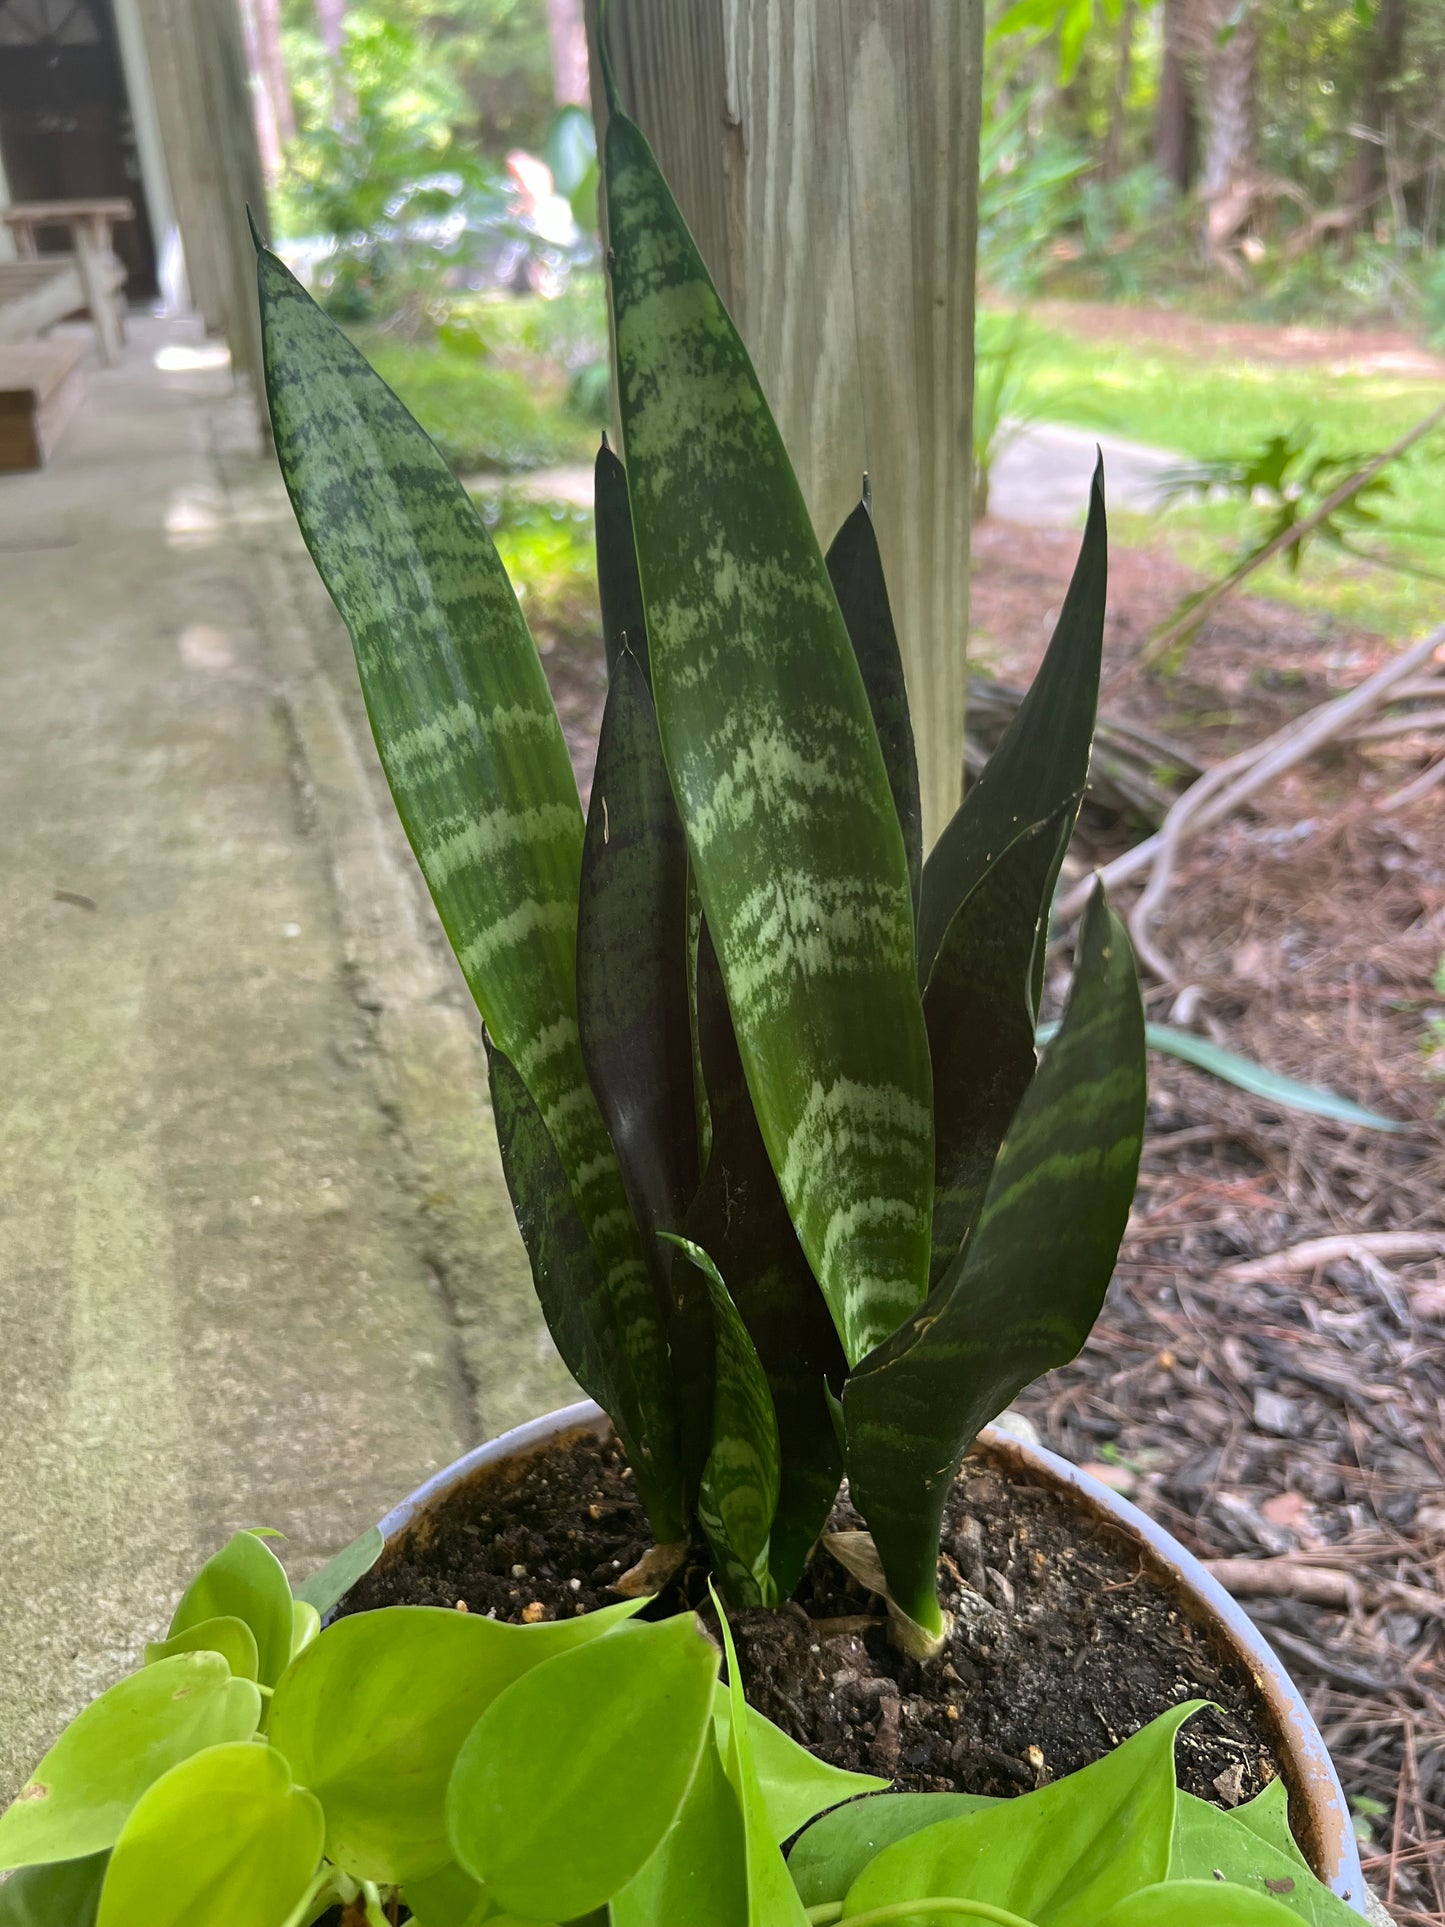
(1112, 160)
(1230, 137)
(273, 67)
(1386, 54)
(825, 156)
(567, 32)
(1174, 123)
(268, 134)
(331, 25)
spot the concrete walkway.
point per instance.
(257, 1266)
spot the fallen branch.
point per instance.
(1233, 782)
(1417, 787)
(1287, 1579)
(1190, 619)
(1326, 1251)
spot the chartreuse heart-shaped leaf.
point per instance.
(223, 1840)
(776, 768)
(1209, 1845)
(1267, 1815)
(795, 1785)
(230, 1637)
(77, 1799)
(570, 1780)
(66, 1895)
(1199, 1903)
(740, 1219)
(619, 589)
(448, 1898)
(699, 1873)
(329, 1586)
(1061, 1857)
(772, 1898)
(1026, 1291)
(1042, 761)
(372, 1716)
(244, 1580)
(632, 1007)
(855, 568)
(738, 1493)
(832, 1853)
(478, 768)
(980, 1013)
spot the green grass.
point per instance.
(483, 415)
(1226, 406)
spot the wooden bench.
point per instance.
(35, 294)
(89, 225)
(41, 383)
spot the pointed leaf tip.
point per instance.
(258, 240)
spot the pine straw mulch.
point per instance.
(1291, 1415)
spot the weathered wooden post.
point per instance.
(825, 155)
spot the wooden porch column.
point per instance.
(825, 155)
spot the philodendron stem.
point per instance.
(832, 1915)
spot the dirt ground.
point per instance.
(1356, 351)
(1281, 1411)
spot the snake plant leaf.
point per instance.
(740, 1218)
(619, 588)
(1024, 1295)
(330, 1585)
(571, 1289)
(855, 568)
(1042, 761)
(471, 746)
(632, 1003)
(738, 1492)
(777, 771)
(980, 1016)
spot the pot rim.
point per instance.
(1334, 1850)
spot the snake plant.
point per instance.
(800, 1200)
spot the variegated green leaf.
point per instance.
(632, 1000)
(618, 588)
(777, 771)
(1042, 761)
(979, 1009)
(738, 1493)
(571, 1290)
(472, 749)
(1025, 1293)
(739, 1217)
(855, 568)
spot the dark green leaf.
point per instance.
(980, 1014)
(568, 1279)
(698, 1876)
(772, 1898)
(64, 1895)
(833, 1852)
(632, 1007)
(372, 1716)
(1248, 1851)
(329, 1586)
(476, 761)
(1029, 1286)
(738, 1492)
(223, 1840)
(1040, 766)
(740, 1218)
(569, 1782)
(1061, 1857)
(856, 570)
(618, 587)
(244, 1580)
(795, 1785)
(77, 1799)
(777, 771)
